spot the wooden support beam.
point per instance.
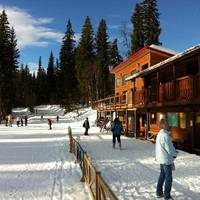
(174, 81)
(135, 122)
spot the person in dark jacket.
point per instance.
(117, 130)
(49, 123)
(86, 125)
(26, 120)
(22, 122)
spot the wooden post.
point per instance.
(193, 129)
(126, 122)
(97, 196)
(174, 81)
(70, 139)
(133, 92)
(148, 124)
(83, 169)
(158, 86)
(135, 122)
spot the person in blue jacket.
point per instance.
(165, 155)
(117, 129)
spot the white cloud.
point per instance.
(77, 37)
(33, 67)
(31, 31)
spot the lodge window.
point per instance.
(134, 72)
(182, 118)
(124, 96)
(124, 81)
(117, 83)
(187, 67)
(177, 120)
(153, 118)
(172, 119)
(144, 66)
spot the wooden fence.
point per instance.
(98, 188)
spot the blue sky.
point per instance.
(40, 25)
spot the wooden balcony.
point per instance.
(182, 91)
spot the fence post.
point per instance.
(70, 138)
(83, 169)
(97, 196)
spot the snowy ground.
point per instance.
(132, 172)
(35, 163)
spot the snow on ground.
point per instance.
(35, 162)
(132, 172)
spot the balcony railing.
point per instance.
(185, 89)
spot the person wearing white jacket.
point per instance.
(165, 155)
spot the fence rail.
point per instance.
(98, 188)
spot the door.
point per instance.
(197, 131)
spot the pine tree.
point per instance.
(85, 54)
(41, 84)
(146, 25)
(138, 35)
(115, 57)
(57, 81)
(102, 61)
(8, 65)
(25, 88)
(68, 86)
(152, 23)
(51, 84)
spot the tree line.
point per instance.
(81, 73)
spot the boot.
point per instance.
(120, 146)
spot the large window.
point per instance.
(117, 82)
(124, 81)
(172, 119)
(134, 72)
(144, 66)
(153, 118)
(182, 118)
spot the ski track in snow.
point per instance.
(36, 164)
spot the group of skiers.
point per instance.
(20, 121)
(9, 119)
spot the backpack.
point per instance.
(84, 124)
(117, 128)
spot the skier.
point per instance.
(10, 120)
(49, 123)
(18, 120)
(22, 122)
(26, 120)
(86, 125)
(57, 118)
(116, 129)
(6, 119)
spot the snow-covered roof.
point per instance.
(152, 47)
(167, 61)
(164, 49)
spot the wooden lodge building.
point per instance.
(156, 83)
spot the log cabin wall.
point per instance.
(145, 58)
(176, 97)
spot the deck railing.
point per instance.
(182, 89)
(98, 188)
